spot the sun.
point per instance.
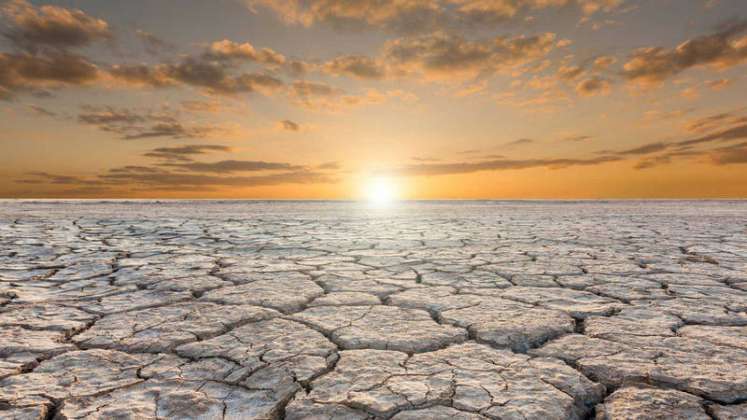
(381, 191)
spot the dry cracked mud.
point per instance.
(471, 310)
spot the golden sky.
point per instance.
(314, 99)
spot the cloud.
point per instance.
(690, 93)
(673, 152)
(520, 142)
(127, 179)
(653, 162)
(493, 11)
(428, 169)
(185, 153)
(133, 125)
(586, 78)
(305, 89)
(170, 180)
(289, 125)
(718, 84)
(594, 86)
(664, 153)
(488, 11)
(201, 106)
(648, 149)
(653, 154)
(39, 177)
(541, 83)
(42, 111)
(135, 169)
(733, 133)
(178, 170)
(109, 116)
(660, 115)
(43, 37)
(569, 72)
(32, 28)
(322, 96)
(174, 130)
(640, 150)
(472, 89)
(360, 67)
(229, 50)
(446, 56)
(410, 16)
(395, 15)
(142, 74)
(576, 138)
(603, 63)
(721, 49)
(146, 178)
(424, 159)
(729, 155)
(441, 55)
(210, 76)
(298, 68)
(25, 72)
(329, 166)
(315, 94)
(710, 122)
(589, 7)
(231, 166)
(213, 76)
(166, 180)
(153, 44)
(206, 72)
(548, 100)
(736, 154)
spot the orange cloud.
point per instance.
(416, 15)
(34, 28)
(229, 50)
(722, 49)
(594, 86)
(445, 56)
(360, 67)
(25, 72)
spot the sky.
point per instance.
(320, 99)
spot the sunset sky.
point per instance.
(315, 99)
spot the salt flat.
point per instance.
(437, 310)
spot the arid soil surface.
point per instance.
(440, 310)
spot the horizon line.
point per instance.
(363, 201)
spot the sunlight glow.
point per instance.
(381, 191)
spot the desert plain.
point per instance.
(336, 310)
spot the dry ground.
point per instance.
(331, 310)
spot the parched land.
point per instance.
(453, 311)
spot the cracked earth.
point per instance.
(251, 310)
